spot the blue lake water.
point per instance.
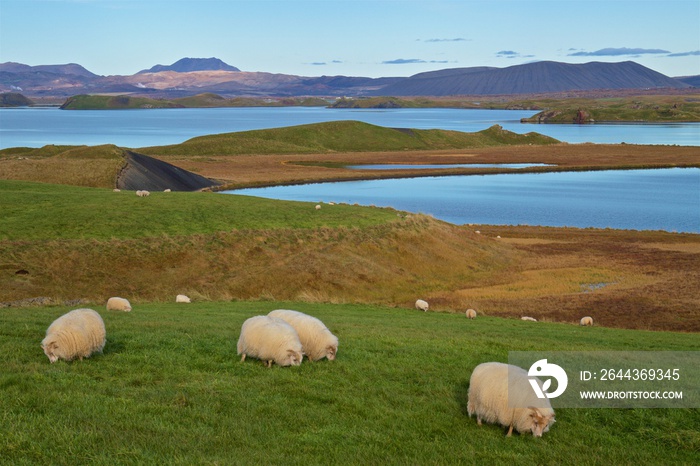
(665, 199)
(399, 166)
(36, 127)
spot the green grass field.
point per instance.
(169, 389)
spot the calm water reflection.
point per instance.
(666, 199)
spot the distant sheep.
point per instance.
(586, 321)
(271, 340)
(141, 193)
(501, 393)
(529, 319)
(117, 190)
(76, 334)
(422, 305)
(471, 314)
(318, 207)
(167, 190)
(317, 342)
(181, 298)
(118, 304)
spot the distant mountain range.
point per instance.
(190, 76)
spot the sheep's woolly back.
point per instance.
(181, 298)
(270, 339)
(529, 319)
(489, 387)
(317, 341)
(76, 334)
(118, 304)
(586, 320)
(422, 305)
(471, 313)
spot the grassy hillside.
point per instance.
(206, 100)
(630, 109)
(169, 388)
(82, 243)
(343, 136)
(92, 166)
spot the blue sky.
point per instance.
(354, 38)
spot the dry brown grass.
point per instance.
(256, 170)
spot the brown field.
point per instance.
(259, 170)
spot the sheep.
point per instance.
(167, 190)
(116, 190)
(141, 193)
(501, 393)
(422, 305)
(588, 320)
(271, 340)
(181, 298)
(77, 334)
(530, 319)
(116, 303)
(317, 342)
(318, 206)
(471, 314)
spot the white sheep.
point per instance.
(77, 334)
(143, 193)
(501, 393)
(318, 206)
(471, 314)
(317, 342)
(167, 190)
(117, 190)
(422, 305)
(530, 319)
(181, 298)
(116, 303)
(588, 320)
(271, 340)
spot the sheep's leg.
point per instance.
(268, 363)
(510, 431)
(478, 421)
(243, 357)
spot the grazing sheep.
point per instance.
(118, 304)
(271, 340)
(422, 305)
(167, 190)
(471, 314)
(117, 190)
(142, 193)
(317, 342)
(181, 298)
(588, 320)
(494, 386)
(318, 206)
(76, 334)
(530, 319)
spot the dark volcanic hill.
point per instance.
(186, 65)
(532, 78)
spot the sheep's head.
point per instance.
(540, 422)
(294, 358)
(50, 350)
(331, 350)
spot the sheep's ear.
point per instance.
(535, 411)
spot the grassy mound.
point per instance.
(91, 166)
(342, 136)
(169, 387)
(90, 243)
